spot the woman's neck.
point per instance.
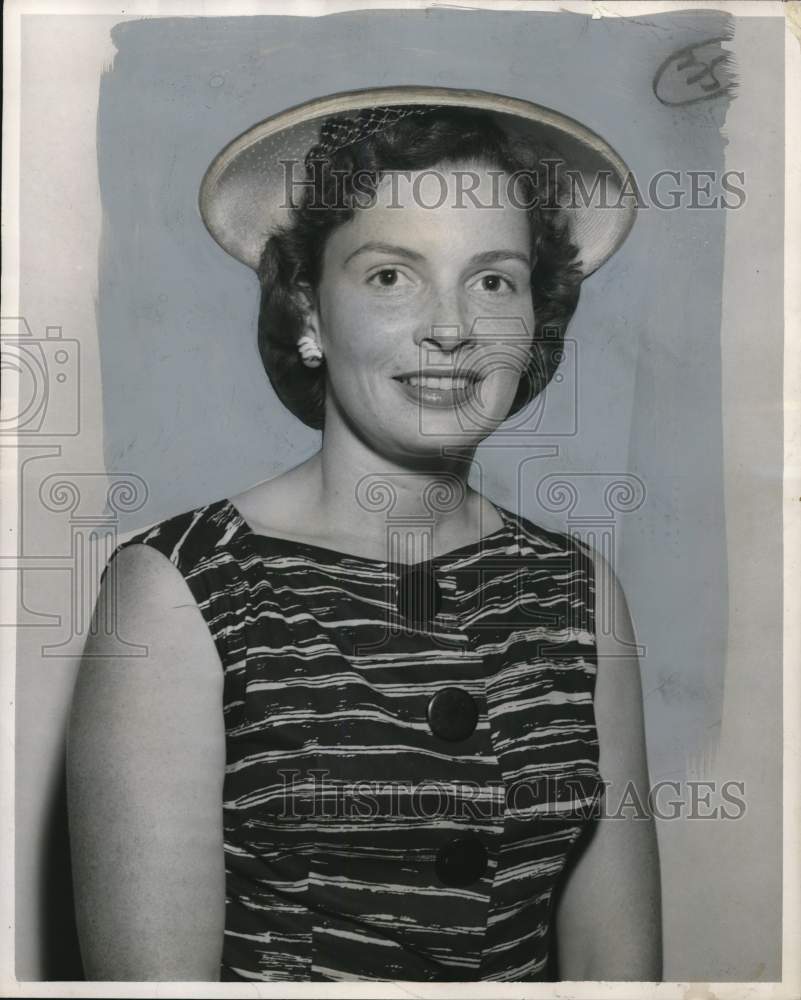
(425, 504)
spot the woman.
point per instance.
(368, 738)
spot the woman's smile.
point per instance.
(439, 391)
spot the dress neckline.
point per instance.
(261, 540)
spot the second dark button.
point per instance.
(452, 714)
(461, 862)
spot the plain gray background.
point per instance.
(186, 405)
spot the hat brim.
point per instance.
(242, 197)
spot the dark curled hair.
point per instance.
(335, 185)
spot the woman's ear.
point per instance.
(307, 302)
(309, 342)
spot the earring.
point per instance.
(310, 353)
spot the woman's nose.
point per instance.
(447, 325)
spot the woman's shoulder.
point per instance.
(535, 538)
(574, 558)
(188, 537)
(157, 581)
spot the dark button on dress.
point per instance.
(461, 861)
(452, 714)
(405, 781)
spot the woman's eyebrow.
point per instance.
(483, 259)
(388, 248)
(496, 256)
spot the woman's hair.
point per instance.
(338, 176)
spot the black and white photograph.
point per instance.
(400, 477)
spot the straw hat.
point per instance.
(243, 193)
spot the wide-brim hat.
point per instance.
(243, 193)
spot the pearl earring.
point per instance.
(309, 351)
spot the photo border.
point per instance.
(791, 929)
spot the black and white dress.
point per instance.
(400, 799)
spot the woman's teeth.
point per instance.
(436, 381)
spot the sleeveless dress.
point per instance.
(401, 797)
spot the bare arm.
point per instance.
(609, 915)
(145, 763)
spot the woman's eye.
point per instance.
(387, 277)
(494, 283)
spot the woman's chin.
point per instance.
(430, 439)
(453, 427)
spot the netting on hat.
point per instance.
(337, 133)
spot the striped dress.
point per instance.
(401, 797)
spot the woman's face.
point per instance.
(424, 311)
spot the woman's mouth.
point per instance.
(439, 391)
